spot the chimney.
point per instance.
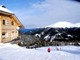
(3, 6)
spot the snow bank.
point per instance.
(8, 45)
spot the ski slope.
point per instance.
(14, 52)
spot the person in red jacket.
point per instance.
(49, 50)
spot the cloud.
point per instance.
(50, 11)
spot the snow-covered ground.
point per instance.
(14, 52)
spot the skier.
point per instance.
(49, 50)
(49, 56)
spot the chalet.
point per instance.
(9, 25)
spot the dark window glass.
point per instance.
(3, 22)
(3, 35)
(12, 23)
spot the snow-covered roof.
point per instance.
(4, 9)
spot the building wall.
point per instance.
(8, 31)
(0, 30)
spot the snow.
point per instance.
(14, 52)
(4, 9)
(64, 24)
(47, 37)
(77, 25)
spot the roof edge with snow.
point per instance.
(4, 9)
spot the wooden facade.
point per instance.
(8, 26)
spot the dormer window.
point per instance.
(12, 23)
(3, 22)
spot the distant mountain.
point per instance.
(50, 34)
(77, 25)
(59, 31)
(64, 25)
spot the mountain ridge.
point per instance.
(63, 24)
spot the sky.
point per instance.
(40, 13)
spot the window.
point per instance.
(3, 35)
(3, 22)
(12, 23)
